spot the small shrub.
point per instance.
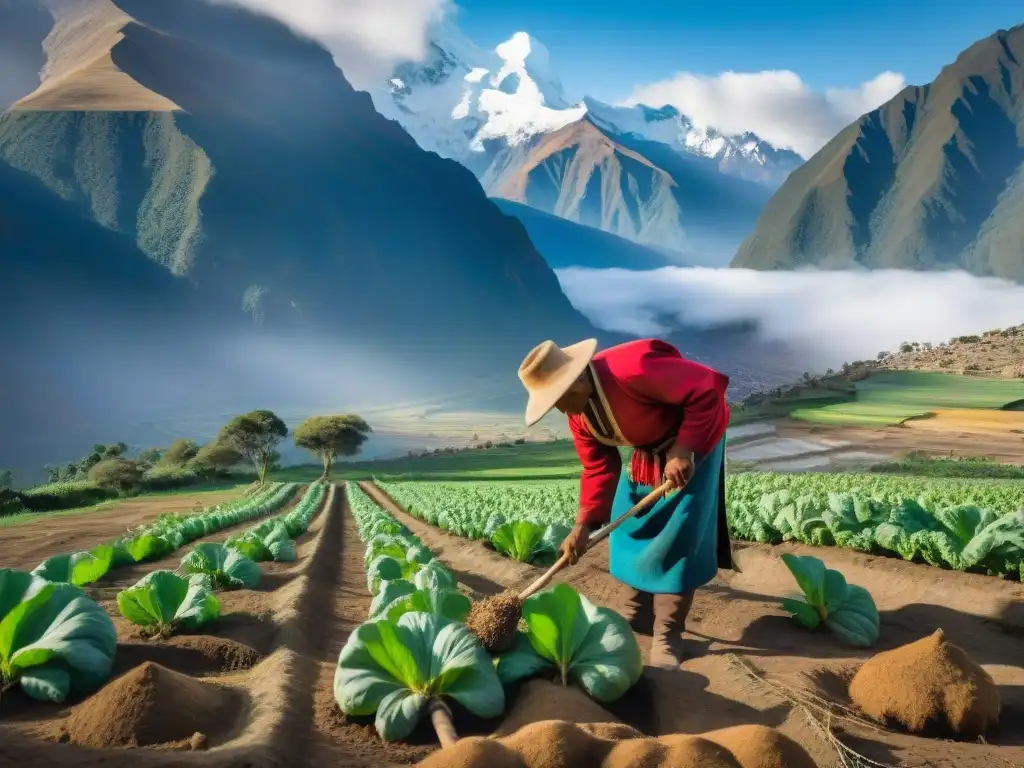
(120, 475)
(57, 496)
(164, 477)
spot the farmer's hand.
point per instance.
(678, 466)
(575, 544)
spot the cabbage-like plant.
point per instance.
(227, 568)
(566, 633)
(53, 639)
(400, 670)
(269, 541)
(528, 541)
(401, 596)
(80, 568)
(846, 609)
(162, 602)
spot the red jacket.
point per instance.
(649, 386)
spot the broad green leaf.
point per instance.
(53, 639)
(438, 601)
(856, 621)
(590, 645)
(163, 599)
(434, 575)
(394, 668)
(846, 609)
(227, 568)
(521, 540)
(80, 568)
(387, 593)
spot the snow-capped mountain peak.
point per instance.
(461, 99)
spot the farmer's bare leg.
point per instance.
(670, 612)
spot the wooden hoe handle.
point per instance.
(599, 535)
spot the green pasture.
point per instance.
(892, 397)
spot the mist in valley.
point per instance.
(826, 317)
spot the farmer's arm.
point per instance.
(666, 378)
(602, 466)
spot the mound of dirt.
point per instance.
(190, 654)
(540, 700)
(227, 655)
(494, 620)
(153, 705)
(559, 744)
(929, 684)
(757, 746)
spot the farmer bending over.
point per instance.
(672, 412)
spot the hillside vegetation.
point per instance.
(932, 179)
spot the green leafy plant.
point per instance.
(53, 639)
(227, 568)
(164, 602)
(426, 594)
(591, 646)
(522, 540)
(401, 669)
(80, 568)
(846, 609)
(269, 541)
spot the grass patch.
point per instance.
(891, 397)
(531, 461)
(921, 465)
(104, 506)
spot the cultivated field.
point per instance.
(257, 685)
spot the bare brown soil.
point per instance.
(26, 545)
(738, 615)
(1006, 447)
(998, 355)
(234, 696)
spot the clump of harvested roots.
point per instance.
(494, 621)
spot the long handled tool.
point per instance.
(494, 620)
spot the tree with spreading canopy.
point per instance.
(180, 452)
(215, 457)
(255, 436)
(332, 436)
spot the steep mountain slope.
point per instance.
(564, 243)
(238, 156)
(933, 179)
(504, 115)
(630, 187)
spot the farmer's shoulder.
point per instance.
(630, 359)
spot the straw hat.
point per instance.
(548, 372)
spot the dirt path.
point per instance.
(738, 613)
(26, 545)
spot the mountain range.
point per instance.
(648, 174)
(932, 179)
(199, 214)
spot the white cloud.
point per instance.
(367, 37)
(833, 317)
(776, 105)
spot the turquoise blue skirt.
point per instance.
(682, 541)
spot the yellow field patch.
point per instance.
(970, 420)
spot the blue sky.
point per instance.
(605, 48)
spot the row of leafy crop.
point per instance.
(414, 650)
(160, 538)
(55, 639)
(947, 523)
(524, 521)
